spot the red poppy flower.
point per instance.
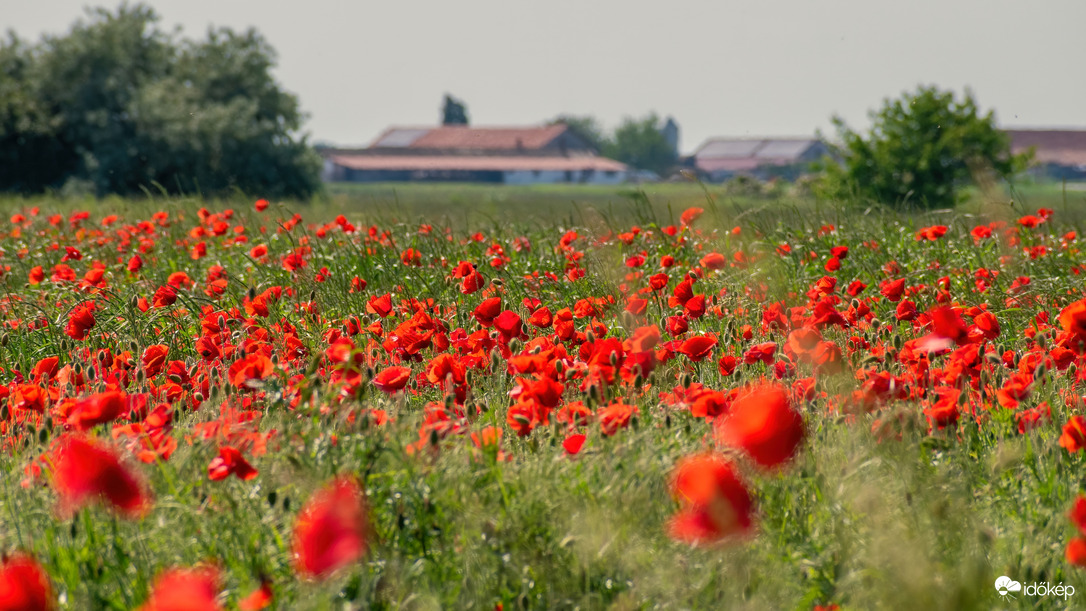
(614, 417)
(380, 305)
(85, 470)
(509, 324)
(760, 352)
(698, 348)
(1073, 438)
(714, 260)
(762, 423)
(261, 205)
(244, 373)
(45, 368)
(1073, 320)
(24, 586)
(330, 532)
(892, 290)
(1076, 551)
(165, 296)
(154, 359)
(392, 379)
(185, 590)
(488, 310)
(260, 598)
(81, 320)
(716, 502)
(230, 461)
(1078, 514)
(98, 409)
(541, 318)
(573, 444)
(690, 215)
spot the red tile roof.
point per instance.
(471, 138)
(1062, 147)
(476, 163)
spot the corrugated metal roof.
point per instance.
(784, 149)
(720, 148)
(775, 150)
(399, 137)
(476, 163)
(460, 137)
(1063, 147)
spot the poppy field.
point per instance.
(249, 405)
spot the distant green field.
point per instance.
(461, 204)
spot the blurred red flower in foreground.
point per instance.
(716, 501)
(194, 589)
(85, 470)
(24, 586)
(247, 372)
(330, 532)
(763, 424)
(392, 379)
(1073, 320)
(230, 461)
(1076, 548)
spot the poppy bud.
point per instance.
(667, 421)
(594, 393)
(252, 293)
(4, 339)
(434, 438)
(272, 498)
(685, 381)
(43, 436)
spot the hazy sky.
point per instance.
(739, 68)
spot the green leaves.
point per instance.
(116, 106)
(921, 150)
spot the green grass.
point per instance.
(921, 519)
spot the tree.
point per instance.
(454, 112)
(120, 106)
(922, 148)
(587, 128)
(641, 144)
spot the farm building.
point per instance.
(532, 155)
(1059, 154)
(723, 158)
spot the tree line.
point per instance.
(116, 105)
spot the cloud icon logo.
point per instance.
(1005, 585)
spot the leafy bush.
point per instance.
(922, 148)
(120, 105)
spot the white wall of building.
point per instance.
(549, 177)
